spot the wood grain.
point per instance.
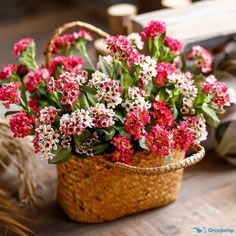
(210, 23)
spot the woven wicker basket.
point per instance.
(96, 190)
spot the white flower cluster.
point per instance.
(136, 100)
(47, 115)
(108, 90)
(136, 40)
(102, 117)
(75, 123)
(148, 69)
(187, 89)
(47, 140)
(198, 126)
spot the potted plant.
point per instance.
(119, 129)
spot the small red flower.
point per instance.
(182, 137)
(163, 70)
(69, 64)
(154, 29)
(158, 142)
(7, 71)
(9, 94)
(124, 149)
(202, 58)
(34, 78)
(21, 124)
(163, 115)
(135, 123)
(175, 45)
(21, 45)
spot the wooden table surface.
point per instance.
(207, 198)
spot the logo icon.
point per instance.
(199, 230)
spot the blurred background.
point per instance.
(38, 19)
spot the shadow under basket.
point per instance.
(96, 190)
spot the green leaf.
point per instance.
(210, 116)
(91, 98)
(61, 155)
(142, 143)
(98, 149)
(108, 133)
(83, 101)
(126, 81)
(105, 67)
(27, 57)
(148, 87)
(167, 159)
(8, 113)
(119, 116)
(80, 139)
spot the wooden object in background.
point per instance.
(119, 18)
(101, 47)
(209, 23)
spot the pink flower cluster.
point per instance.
(162, 114)
(21, 45)
(175, 45)
(202, 58)
(222, 95)
(198, 126)
(183, 137)
(21, 124)
(47, 115)
(153, 29)
(121, 44)
(163, 70)
(8, 71)
(135, 123)
(67, 40)
(35, 78)
(69, 64)
(9, 94)
(124, 149)
(157, 140)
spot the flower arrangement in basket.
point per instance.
(135, 111)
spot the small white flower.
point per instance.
(136, 40)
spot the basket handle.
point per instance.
(65, 27)
(193, 159)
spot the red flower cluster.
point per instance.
(66, 40)
(21, 45)
(34, 106)
(69, 64)
(175, 45)
(157, 140)
(7, 71)
(183, 137)
(135, 123)
(122, 45)
(202, 58)
(69, 87)
(219, 90)
(163, 70)
(124, 149)
(9, 94)
(153, 29)
(34, 79)
(163, 115)
(21, 124)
